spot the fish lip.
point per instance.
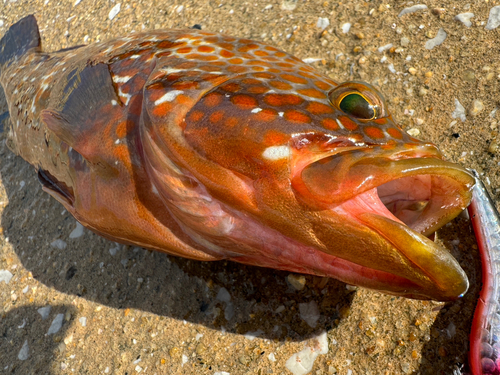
(433, 269)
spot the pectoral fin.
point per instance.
(84, 110)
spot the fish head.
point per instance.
(324, 166)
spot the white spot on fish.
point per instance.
(169, 96)
(118, 79)
(171, 70)
(114, 102)
(117, 142)
(133, 57)
(155, 190)
(125, 96)
(276, 152)
(340, 124)
(256, 110)
(280, 114)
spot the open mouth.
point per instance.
(399, 201)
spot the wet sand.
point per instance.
(125, 310)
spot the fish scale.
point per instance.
(213, 147)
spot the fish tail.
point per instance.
(19, 39)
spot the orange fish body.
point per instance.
(213, 147)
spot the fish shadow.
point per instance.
(25, 342)
(220, 295)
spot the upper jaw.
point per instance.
(406, 179)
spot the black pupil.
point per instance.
(357, 106)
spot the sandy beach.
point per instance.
(72, 302)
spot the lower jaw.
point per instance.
(258, 245)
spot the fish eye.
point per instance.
(357, 106)
(359, 100)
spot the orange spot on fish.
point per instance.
(280, 85)
(163, 54)
(322, 85)
(164, 44)
(312, 93)
(282, 99)
(228, 46)
(162, 110)
(274, 137)
(285, 65)
(213, 99)
(258, 68)
(121, 152)
(216, 117)
(184, 50)
(266, 115)
(250, 81)
(260, 53)
(319, 108)
(231, 87)
(236, 60)
(226, 54)
(280, 54)
(330, 124)
(236, 69)
(395, 133)
(295, 116)
(206, 49)
(380, 121)
(264, 75)
(197, 56)
(257, 89)
(348, 123)
(186, 85)
(231, 122)
(187, 65)
(373, 132)
(244, 101)
(121, 129)
(293, 78)
(211, 39)
(184, 100)
(196, 116)
(248, 47)
(259, 63)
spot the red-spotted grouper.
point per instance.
(213, 147)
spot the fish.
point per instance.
(484, 352)
(210, 147)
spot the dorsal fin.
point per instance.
(80, 113)
(21, 37)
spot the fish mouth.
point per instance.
(392, 199)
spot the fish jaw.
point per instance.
(391, 199)
(419, 187)
(387, 244)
